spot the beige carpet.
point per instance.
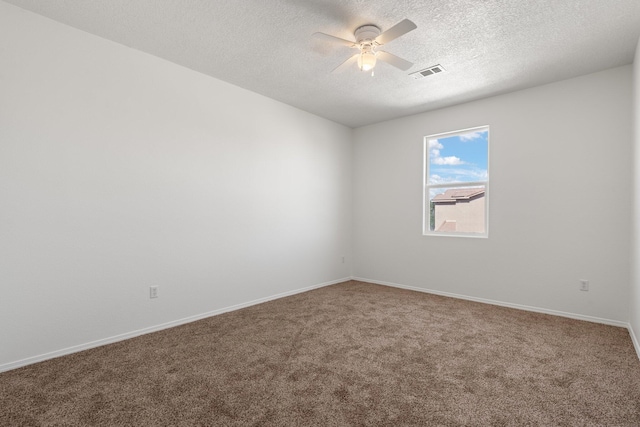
(347, 354)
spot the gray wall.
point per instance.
(119, 170)
(634, 298)
(559, 206)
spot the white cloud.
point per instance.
(434, 149)
(447, 175)
(434, 143)
(472, 135)
(449, 160)
(437, 179)
(474, 174)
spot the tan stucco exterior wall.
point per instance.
(468, 215)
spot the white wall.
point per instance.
(634, 299)
(559, 205)
(119, 170)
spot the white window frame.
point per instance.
(426, 211)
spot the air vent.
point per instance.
(428, 72)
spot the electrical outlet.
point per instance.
(584, 285)
(153, 292)
(343, 260)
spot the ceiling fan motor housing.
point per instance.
(366, 33)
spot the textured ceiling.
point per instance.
(486, 46)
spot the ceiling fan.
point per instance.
(368, 38)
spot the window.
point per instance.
(456, 183)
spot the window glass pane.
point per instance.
(458, 158)
(457, 209)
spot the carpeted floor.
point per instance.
(347, 354)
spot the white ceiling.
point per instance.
(486, 46)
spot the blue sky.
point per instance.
(460, 158)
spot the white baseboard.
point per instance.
(69, 350)
(500, 303)
(634, 339)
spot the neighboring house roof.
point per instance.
(458, 194)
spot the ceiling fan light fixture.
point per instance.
(367, 60)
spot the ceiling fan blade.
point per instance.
(396, 61)
(346, 64)
(401, 28)
(334, 39)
